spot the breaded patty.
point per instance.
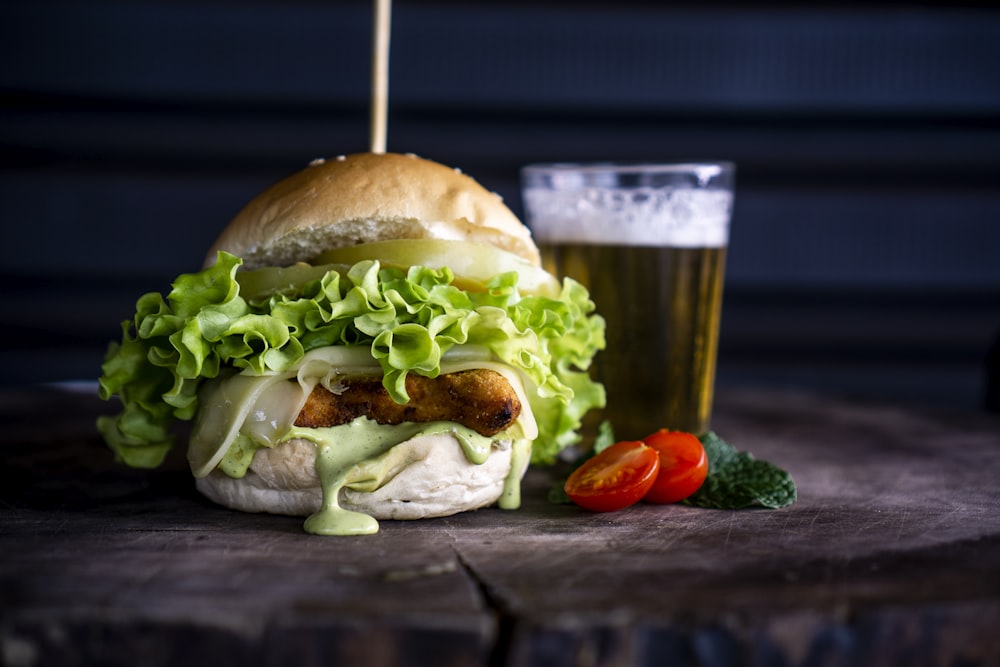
(480, 399)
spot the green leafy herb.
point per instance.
(736, 480)
(557, 494)
(605, 437)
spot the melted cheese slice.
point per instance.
(264, 407)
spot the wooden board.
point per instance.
(890, 556)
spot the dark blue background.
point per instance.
(865, 254)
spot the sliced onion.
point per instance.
(473, 262)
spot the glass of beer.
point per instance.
(649, 242)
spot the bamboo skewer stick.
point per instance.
(380, 76)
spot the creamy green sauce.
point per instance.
(510, 499)
(357, 455)
(239, 455)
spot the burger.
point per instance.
(370, 338)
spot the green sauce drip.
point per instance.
(341, 451)
(510, 499)
(333, 466)
(238, 456)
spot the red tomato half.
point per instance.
(614, 479)
(683, 466)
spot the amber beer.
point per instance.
(656, 274)
(662, 307)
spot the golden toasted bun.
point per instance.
(364, 198)
(428, 476)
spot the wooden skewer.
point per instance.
(380, 76)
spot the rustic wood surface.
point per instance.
(891, 556)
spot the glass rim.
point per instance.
(704, 168)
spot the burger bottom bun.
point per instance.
(426, 476)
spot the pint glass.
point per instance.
(649, 242)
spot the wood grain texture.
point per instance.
(889, 557)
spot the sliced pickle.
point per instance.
(473, 264)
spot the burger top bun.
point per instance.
(369, 197)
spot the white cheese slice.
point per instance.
(264, 407)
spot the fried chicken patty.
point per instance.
(480, 399)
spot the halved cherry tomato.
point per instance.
(617, 477)
(683, 466)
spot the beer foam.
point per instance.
(681, 217)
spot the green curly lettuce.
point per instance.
(408, 318)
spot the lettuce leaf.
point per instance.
(408, 319)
